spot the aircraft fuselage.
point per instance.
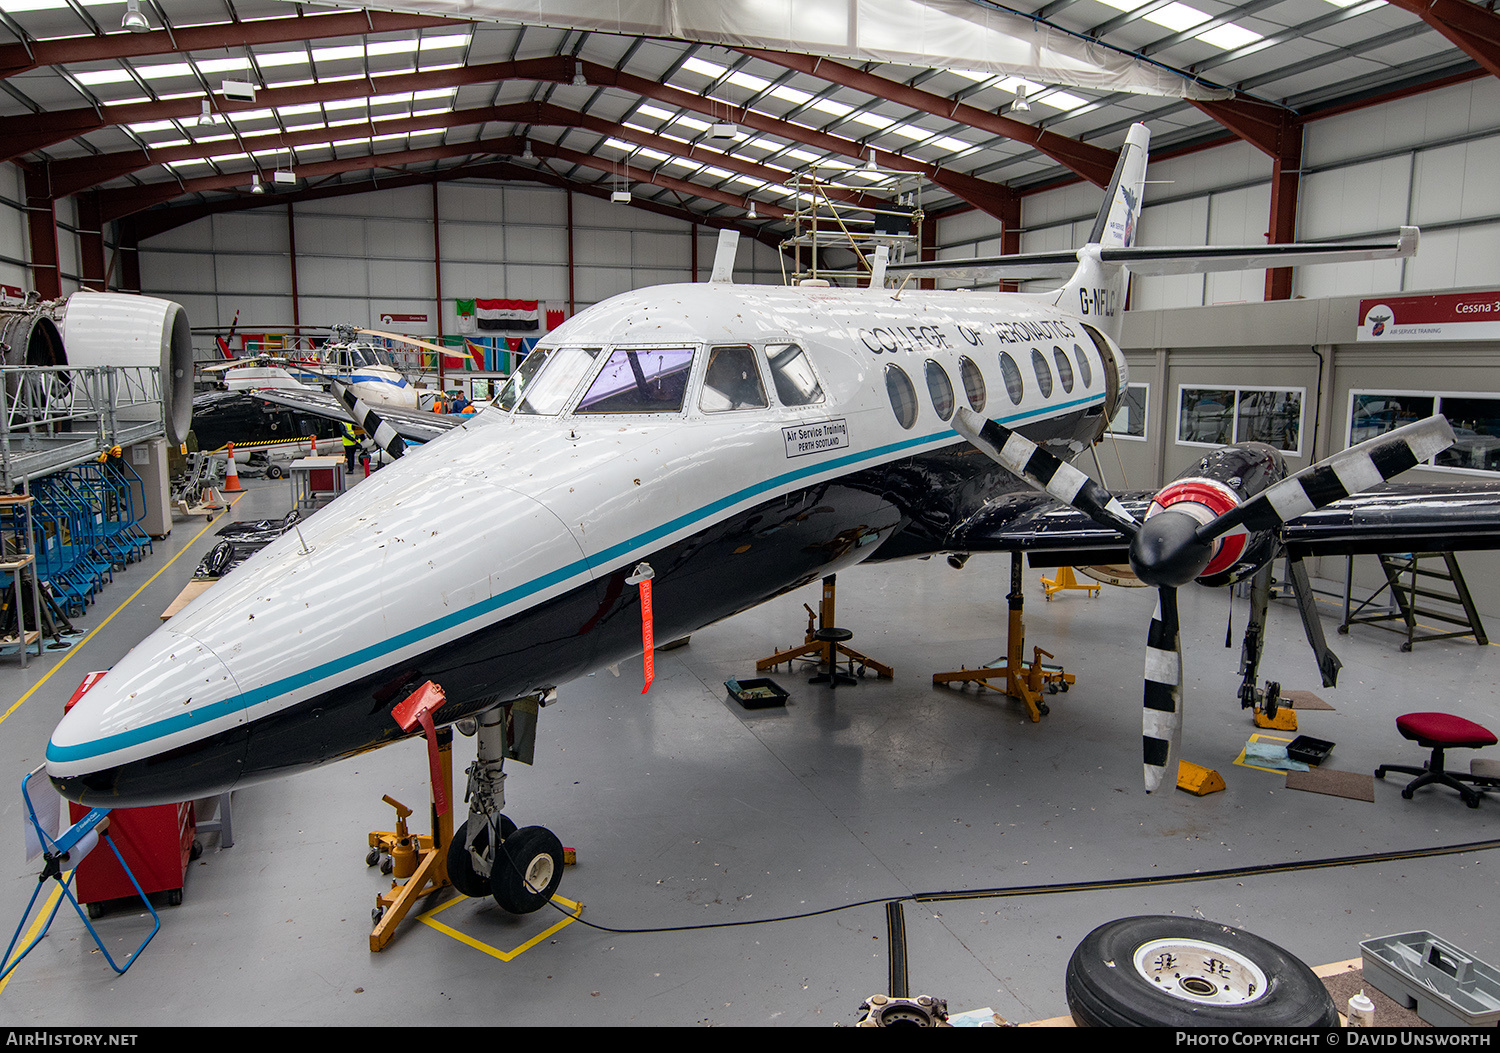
(493, 559)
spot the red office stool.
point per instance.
(1437, 732)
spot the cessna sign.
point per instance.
(1451, 316)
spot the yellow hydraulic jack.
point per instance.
(419, 862)
(825, 643)
(1024, 680)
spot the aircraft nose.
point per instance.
(139, 732)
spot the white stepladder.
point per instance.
(61, 851)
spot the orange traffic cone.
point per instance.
(232, 479)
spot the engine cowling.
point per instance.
(122, 329)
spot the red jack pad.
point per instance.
(418, 709)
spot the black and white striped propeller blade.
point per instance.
(1350, 472)
(384, 435)
(1046, 472)
(1161, 710)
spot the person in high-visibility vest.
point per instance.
(351, 446)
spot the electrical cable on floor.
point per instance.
(1006, 891)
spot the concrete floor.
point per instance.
(687, 812)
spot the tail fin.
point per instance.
(1097, 289)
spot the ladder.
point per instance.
(1402, 571)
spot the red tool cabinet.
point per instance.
(157, 844)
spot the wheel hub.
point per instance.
(1200, 971)
(539, 872)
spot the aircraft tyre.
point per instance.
(1113, 979)
(461, 865)
(528, 869)
(274, 471)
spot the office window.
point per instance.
(1216, 416)
(1130, 419)
(1475, 420)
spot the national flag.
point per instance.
(508, 315)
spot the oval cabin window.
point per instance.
(1085, 371)
(973, 380)
(1012, 374)
(1064, 368)
(940, 388)
(903, 395)
(1043, 373)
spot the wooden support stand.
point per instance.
(1024, 680)
(419, 861)
(828, 649)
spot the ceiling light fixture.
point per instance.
(752, 213)
(528, 154)
(256, 188)
(579, 80)
(205, 115)
(870, 163)
(134, 20)
(239, 90)
(284, 176)
(1020, 105)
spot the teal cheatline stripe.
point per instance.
(578, 568)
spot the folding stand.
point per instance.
(57, 849)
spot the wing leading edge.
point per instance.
(412, 425)
(1396, 517)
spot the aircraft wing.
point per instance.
(412, 425)
(1401, 517)
(1156, 260)
(1050, 533)
(1396, 517)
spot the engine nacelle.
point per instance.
(121, 329)
(1216, 485)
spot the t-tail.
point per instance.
(1097, 289)
(1097, 276)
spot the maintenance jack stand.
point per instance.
(1022, 679)
(825, 643)
(419, 863)
(1066, 580)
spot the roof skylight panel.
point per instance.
(1176, 17)
(102, 76)
(702, 67)
(340, 53)
(837, 109)
(1229, 36)
(655, 111)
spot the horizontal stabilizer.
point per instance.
(1156, 260)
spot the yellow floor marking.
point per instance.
(495, 952)
(1240, 760)
(36, 927)
(79, 645)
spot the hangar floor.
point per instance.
(688, 812)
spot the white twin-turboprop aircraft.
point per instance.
(742, 441)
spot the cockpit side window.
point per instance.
(796, 383)
(552, 386)
(519, 382)
(732, 381)
(640, 380)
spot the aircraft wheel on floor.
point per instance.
(461, 863)
(528, 868)
(1163, 971)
